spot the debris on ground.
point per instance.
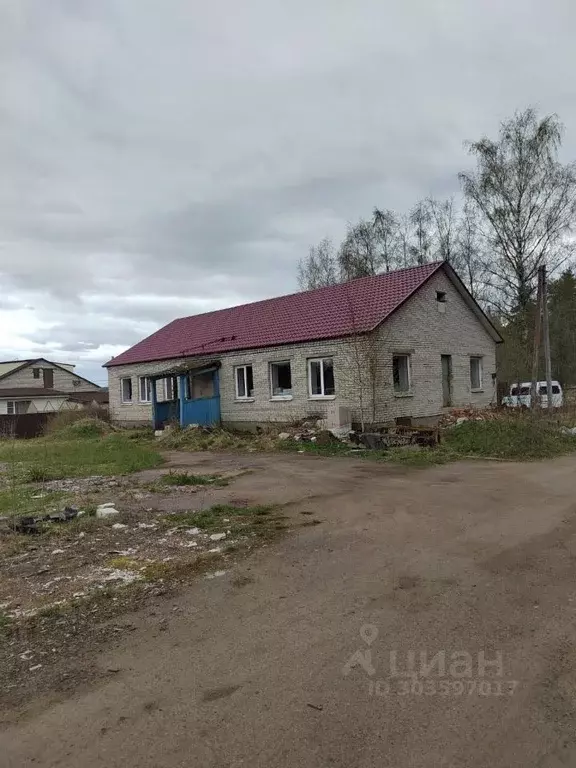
(32, 524)
(83, 485)
(215, 574)
(397, 437)
(459, 416)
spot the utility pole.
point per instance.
(536, 351)
(546, 331)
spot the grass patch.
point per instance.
(172, 570)
(419, 459)
(409, 457)
(51, 458)
(40, 474)
(218, 440)
(518, 438)
(5, 621)
(19, 500)
(332, 449)
(238, 518)
(183, 478)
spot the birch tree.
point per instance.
(526, 199)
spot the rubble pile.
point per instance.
(458, 416)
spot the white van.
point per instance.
(520, 395)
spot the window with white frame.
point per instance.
(401, 373)
(475, 373)
(126, 390)
(145, 389)
(244, 382)
(10, 407)
(170, 388)
(321, 377)
(281, 379)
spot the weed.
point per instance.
(183, 478)
(40, 474)
(159, 571)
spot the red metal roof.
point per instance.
(325, 313)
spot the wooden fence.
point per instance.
(23, 425)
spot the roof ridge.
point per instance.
(354, 281)
(329, 312)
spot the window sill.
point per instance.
(476, 391)
(403, 394)
(322, 397)
(279, 398)
(244, 399)
(126, 402)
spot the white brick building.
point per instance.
(410, 343)
(42, 386)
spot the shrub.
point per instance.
(65, 428)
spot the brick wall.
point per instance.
(421, 329)
(362, 368)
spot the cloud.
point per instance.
(165, 160)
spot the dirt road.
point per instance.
(257, 667)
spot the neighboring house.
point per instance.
(97, 399)
(409, 343)
(41, 386)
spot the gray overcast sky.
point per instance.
(160, 159)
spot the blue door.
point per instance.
(200, 398)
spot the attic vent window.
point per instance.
(441, 296)
(36, 373)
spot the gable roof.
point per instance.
(332, 312)
(20, 364)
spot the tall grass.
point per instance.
(517, 437)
